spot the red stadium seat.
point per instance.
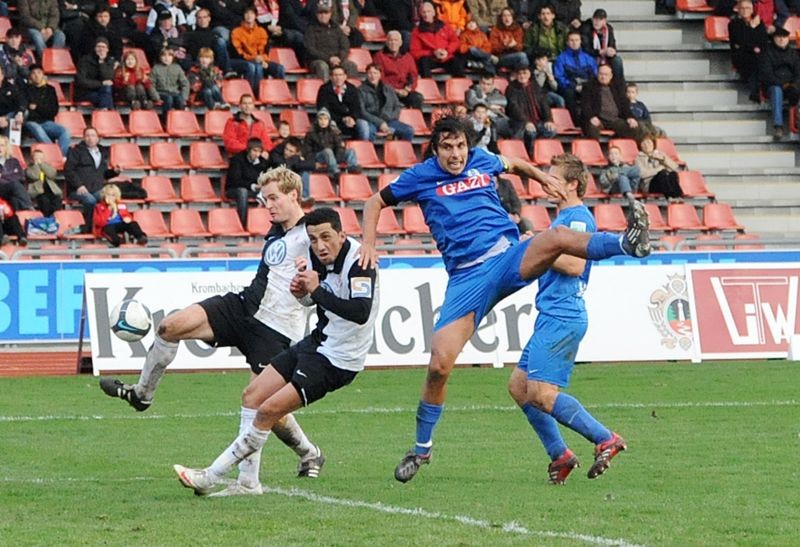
(501, 84)
(683, 216)
(592, 191)
(628, 148)
(656, 218)
(693, 6)
(455, 89)
(354, 187)
(748, 246)
(109, 124)
(792, 25)
(513, 148)
(350, 224)
(366, 156)
(707, 237)
(693, 184)
(232, 90)
(70, 220)
(321, 188)
(610, 218)
(538, 216)
(399, 154)
(183, 123)
(371, 29)
(152, 223)
(57, 61)
(516, 182)
(224, 222)
(259, 221)
(563, 121)
(215, 121)
(415, 119)
(63, 100)
(297, 119)
(206, 155)
(52, 154)
(670, 242)
(716, 29)
(159, 189)
(387, 223)
(589, 151)
(127, 155)
(361, 57)
(666, 145)
(719, 216)
(73, 121)
(307, 90)
(384, 179)
(416, 247)
(286, 56)
(535, 190)
(414, 220)
(198, 189)
(166, 155)
(275, 92)
(545, 149)
(187, 223)
(266, 117)
(429, 90)
(5, 25)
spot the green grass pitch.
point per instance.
(712, 460)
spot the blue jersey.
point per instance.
(561, 295)
(463, 211)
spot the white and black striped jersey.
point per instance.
(347, 305)
(268, 297)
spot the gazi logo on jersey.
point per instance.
(754, 307)
(474, 181)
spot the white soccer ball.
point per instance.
(130, 320)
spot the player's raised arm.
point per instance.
(369, 230)
(550, 184)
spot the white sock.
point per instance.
(293, 436)
(245, 444)
(250, 466)
(159, 356)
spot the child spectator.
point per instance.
(325, 142)
(42, 185)
(112, 218)
(205, 79)
(11, 177)
(619, 177)
(658, 171)
(132, 84)
(9, 224)
(543, 74)
(640, 111)
(486, 137)
(170, 82)
(284, 132)
(473, 43)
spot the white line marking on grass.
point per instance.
(397, 410)
(504, 527)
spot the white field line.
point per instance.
(398, 410)
(504, 527)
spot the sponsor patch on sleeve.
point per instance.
(361, 287)
(577, 225)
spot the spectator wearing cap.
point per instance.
(528, 109)
(326, 45)
(399, 70)
(324, 141)
(40, 19)
(597, 39)
(42, 109)
(18, 56)
(543, 74)
(243, 126)
(250, 40)
(100, 26)
(343, 101)
(382, 107)
(435, 45)
(95, 76)
(166, 36)
(779, 73)
(164, 6)
(243, 173)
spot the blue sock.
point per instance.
(569, 412)
(604, 245)
(427, 417)
(547, 429)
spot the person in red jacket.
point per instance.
(399, 70)
(435, 45)
(243, 127)
(112, 218)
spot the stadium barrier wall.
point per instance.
(640, 313)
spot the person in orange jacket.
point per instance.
(476, 46)
(508, 41)
(453, 13)
(112, 218)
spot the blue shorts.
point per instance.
(550, 353)
(479, 288)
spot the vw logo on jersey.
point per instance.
(276, 252)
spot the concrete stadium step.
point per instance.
(773, 223)
(669, 96)
(648, 38)
(699, 129)
(618, 8)
(744, 159)
(755, 191)
(638, 69)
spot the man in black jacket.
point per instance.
(605, 106)
(528, 110)
(99, 26)
(95, 76)
(326, 45)
(204, 36)
(597, 39)
(243, 173)
(779, 73)
(86, 171)
(12, 103)
(42, 110)
(343, 101)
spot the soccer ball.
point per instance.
(130, 321)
